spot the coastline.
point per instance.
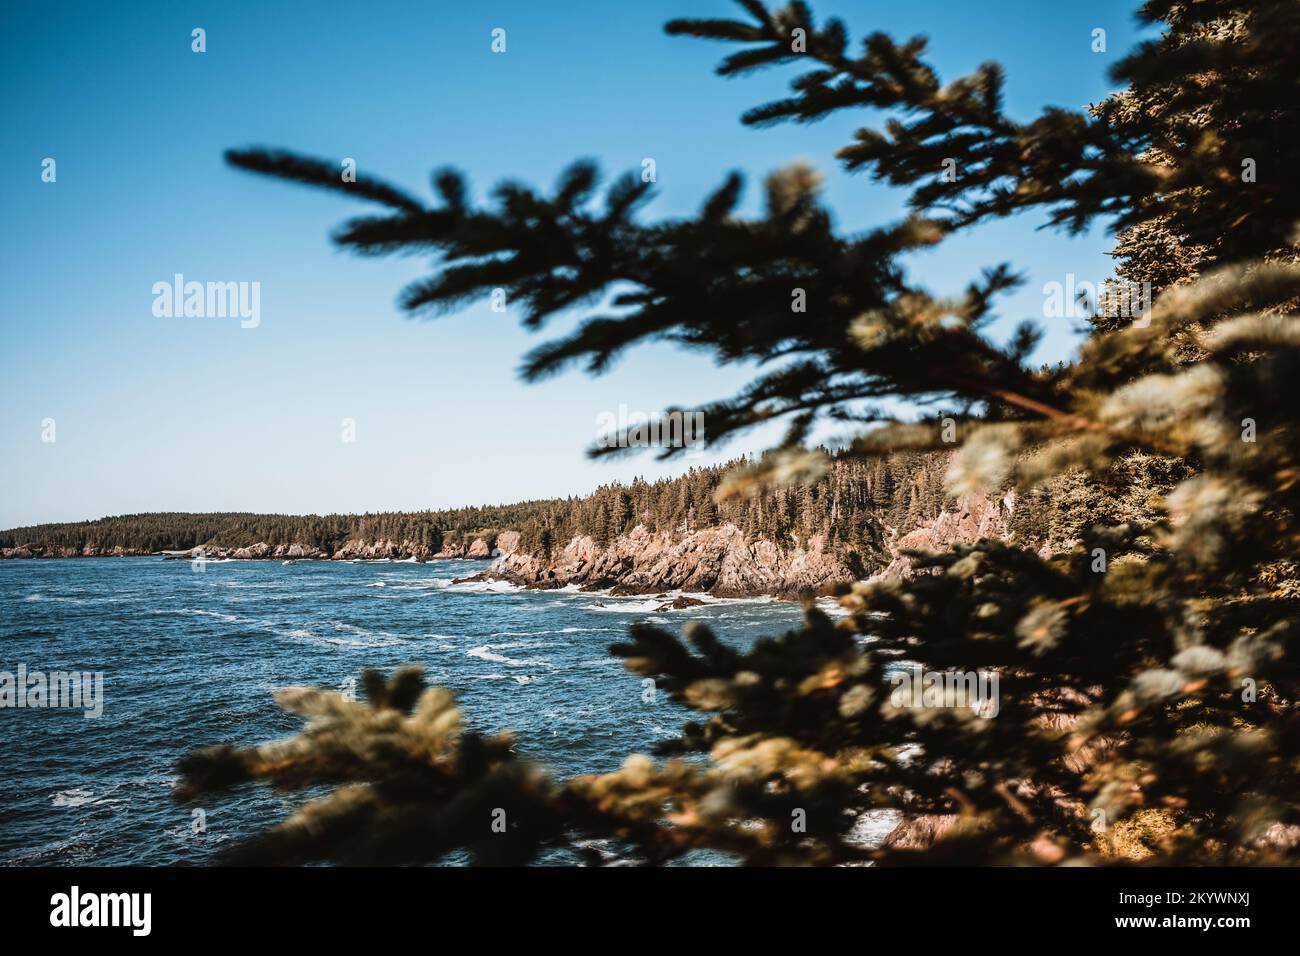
(676, 598)
(720, 561)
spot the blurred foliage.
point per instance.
(1147, 700)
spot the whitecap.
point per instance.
(485, 587)
(486, 652)
(75, 797)
(345, 642)
(199, 612)
(563, 630)
(637, 607)
(831, 607)
(418, 584)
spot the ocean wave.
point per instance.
(830, 607)
(487, 652)
(76, 797)
(414, 584)
(524, 645)
(347, 642)
(661, 601)
(485, 587)
(200, 612)
(517, 678)
(563, 630)
(60, 599)
(363, 637)
(365, 632)
(305, 635)
(630, 607)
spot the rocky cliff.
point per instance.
(970, 519)
(721, 561)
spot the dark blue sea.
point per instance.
(190, 658)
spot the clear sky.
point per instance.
(159, 414)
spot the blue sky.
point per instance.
(157, 414)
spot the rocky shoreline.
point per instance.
(723, 562)
(478, 549)
(719, 561)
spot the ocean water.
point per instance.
(191, 658)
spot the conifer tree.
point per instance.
(1149, 672)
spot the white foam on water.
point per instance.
(363, 637)
(487, 652)
(517, 678)
(485, 587)
(200, 612)
(831, 607)
(661, 602)
(637, 607)
(414, 584)
(75, 797)
(524, 645)
(32, 598)
(713, 599)
(563, 630)
(364, 632)
(345, 642)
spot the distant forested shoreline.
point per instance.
(850, 507)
